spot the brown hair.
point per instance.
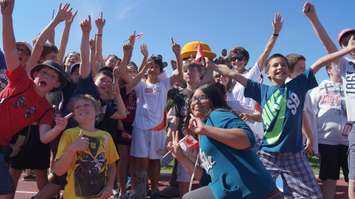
(292, 59)
(85, 97)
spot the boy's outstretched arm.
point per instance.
(65, 36)
(276, 26)
(310, 11)
(48, 134)
(327, 59)
(61, 15)
(8, 36)
(85, 66)
(224, 70)
(100, 23)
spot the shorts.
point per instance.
(294, 168)
(33, 155)
(6, 183)
(147, 144)
(332, 158)
(351, 154)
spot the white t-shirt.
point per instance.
(240, 104)
(329, 108)
(151, 102)
(347, 70)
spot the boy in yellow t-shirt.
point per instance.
(86, 154)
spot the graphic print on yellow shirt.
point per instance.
(90, 167)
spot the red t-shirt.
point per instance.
(21, 106)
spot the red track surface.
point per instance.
(27, 189)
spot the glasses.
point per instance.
(199, 98)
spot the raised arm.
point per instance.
(100, 23)
(327, 59)
(130, 86)
(85, 67)
(92, 44)
(177, 77)
(65, 36)
(121, 112)
(276, 26)
(61, 15)
(145, 53)
(8, 36)
(310, 11)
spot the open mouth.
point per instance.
(42, 83)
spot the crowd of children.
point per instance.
(87, 124)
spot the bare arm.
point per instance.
(277, 26)
(234, 137)
(224, 70)
(307, 132)
(43, 37)
(65, 36)
(130, 86)
(62, 165)
(121, 112)
(9, 42)
(48, 134)
(327, 59)
(93, 63)
(310, 11)
(177, 77)
(145, 53)
(100, 23)
(85, 67)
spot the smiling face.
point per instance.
(84, 111)
(46, 80)
(200, 104)
(104, 85)
(277, 70)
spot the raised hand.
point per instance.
(144, 50)
(175, 47)
(86, 25)
(196, 125)
(80, 144)
(309, 10)
(100, 23)
(277, 24)
(127, 48)
(61, 122)
(7, 7)
(63, 13)
(132, 38)
(70, 17)
(92, 43)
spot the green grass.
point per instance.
(314, 162)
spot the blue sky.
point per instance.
(221, 24)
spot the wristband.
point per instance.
(275, 35)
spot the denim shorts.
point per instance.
(6, 182)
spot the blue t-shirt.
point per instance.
(282, 111)
(234, 173)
